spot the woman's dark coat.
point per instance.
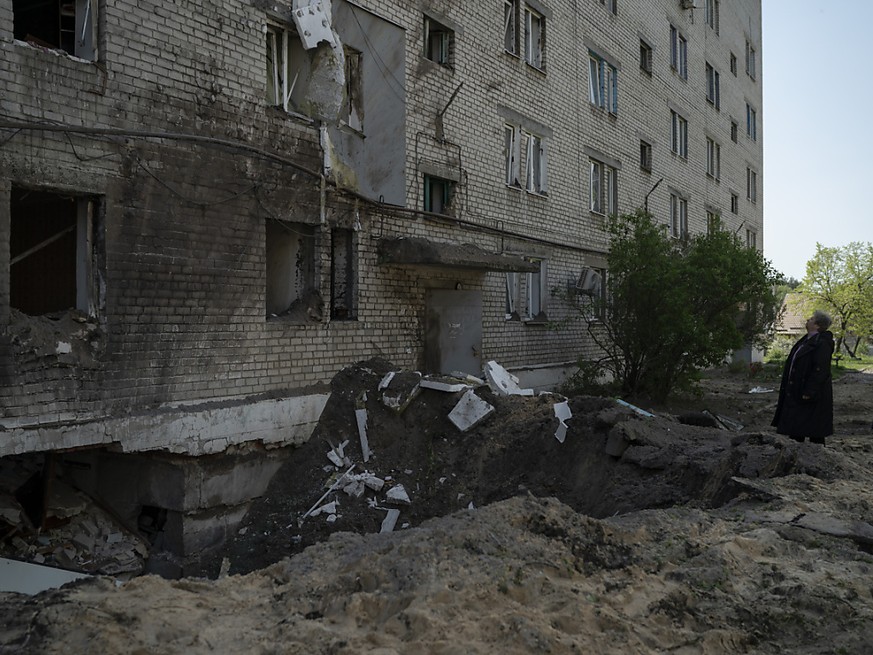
(807, 372)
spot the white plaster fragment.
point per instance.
(313, 25)
(470, 411)
(334, 457)
(397, 495)
(386, 380)
(443, 386)
(355, 488)
(563, 414)
(503, 382)
(390, 520)
(361, 418)
(63, 348)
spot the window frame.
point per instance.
(510, 26)
(751, 239)
(534, 38)
(713, 86)
(711, 14)
(602, 188)
(512, 155)
(751, 185)
(713, 158)
(678, 52)
(751, 122)
(735, 203)
(447, 195)
(751, 60)
(678, 216)
(646, 57)
(536, 293)
(611, 5)
(645, 155)
(439, 37)
(354, 97)
(536, 164)
(603, 94)
(678, 134)
(735, 131)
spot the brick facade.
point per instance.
(168, 131)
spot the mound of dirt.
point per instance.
(635, 535)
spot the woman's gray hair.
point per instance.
(821, 319)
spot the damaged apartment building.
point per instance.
(208, 209)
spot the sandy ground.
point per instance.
(635, 535)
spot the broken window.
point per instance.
(343, 275)
(69, 25)
(645, 57)
(438, 194)
(511, 153)
(291, 288)
(592, 293)
(354, 94)
(713, 91)
(645, 155)
(603, 188)
(284, 62)
(678, 217)
(536, 179)
(678, 52)
(439, 41)
(52, 251)
(678, 134)
(512, 288)
(534, 37)
(713, 158)
(537, 292)
(510, 26)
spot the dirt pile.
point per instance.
(635, 535)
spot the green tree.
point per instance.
(674, 307)
(840, 281)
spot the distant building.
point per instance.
(211, 209)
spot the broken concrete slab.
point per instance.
(361, 420)
(27, 578)
(397, 494)
(390, 520)
(439, 385)
(503, 382)
(313, 24)
(470, 411)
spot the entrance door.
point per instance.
(453, 336)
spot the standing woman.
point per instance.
(806, 397)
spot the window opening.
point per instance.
(751, 63)
(646, 156)
(602, 83)
(52, 251)
(751, 185)
(751, 122)
(537, 292)
(751, 239)
(68, 25)
(534, 30)
(713, 158)
(734, 64)
(438, 194)
(679, 134)
(713, 91)
(343, 275)
(678, 52)
(282, 70)
(290, 254)
(511, 153)
(354, 94)
(603, 189)
(510, 26)
(439, 42)
(735, 203)
(612, 5)
(710, 14)
(678, 217)
(512, 289)
(536, 165)
(645, 57)
(734, 131)
(713, 222)
(592, 291)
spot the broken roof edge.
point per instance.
(418, 251)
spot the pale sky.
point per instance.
(818, 128)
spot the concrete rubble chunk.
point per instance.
(390, 520)
(563, 414)
(355, 488)
(327, 508)
(503, 382)
(361, 419)
(440, 385)
(386, 380)
(397, 494)
(401, 390)
(470, 411)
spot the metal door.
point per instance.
(453, 333)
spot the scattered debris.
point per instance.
(724, 422)
(448, 387)
(390, 520)
(563, 414)
(639, 411)
(399, 389)
(503, 382)
(760, 390)
(332, 487)
(397, 494)
(470, 411)
(361, 418)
